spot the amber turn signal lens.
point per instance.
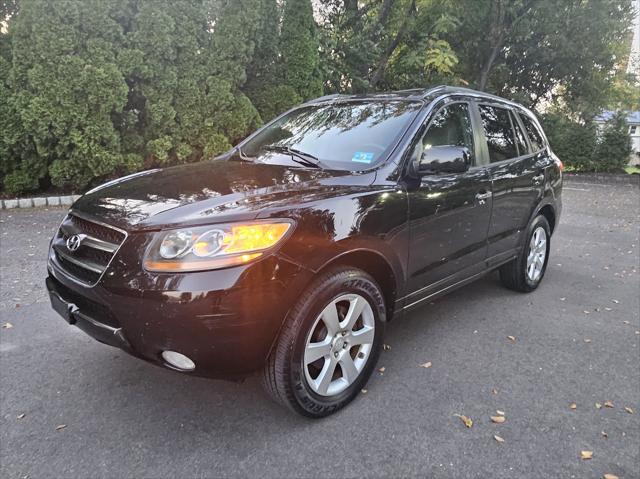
(255, 237)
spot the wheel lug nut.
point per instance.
(361, 355)
(335, 354)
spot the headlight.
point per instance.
(212, 247)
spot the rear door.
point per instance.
(517, 178)
(449, 213)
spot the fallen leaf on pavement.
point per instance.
(573, 405)
(587, 340)
(60, 427)
(494, 391)
(498, 439)
(426, 365)
(386, 347)
(628, 409)
(598, 405)
(498, 419)
(586, 455)
(610, 476)
(20, 416)
(364, 391)
(604, 434)
(7, 325)
(511, 338)
(625, 322)
(381, 369)
(563, 299)
(500, 413)
(466, 420)
(608, 403)
(587, 312)
(615, 301)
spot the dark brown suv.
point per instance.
(290, 253)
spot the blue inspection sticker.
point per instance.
(362, 157)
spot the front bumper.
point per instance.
(226, 321)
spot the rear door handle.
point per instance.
(538, 179)
(482, 197)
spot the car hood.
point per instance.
(210, 191)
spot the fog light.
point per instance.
(178, 361)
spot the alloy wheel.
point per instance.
(339, 344)
(537, 254)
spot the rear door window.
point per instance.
(535, 137)
(499, 133)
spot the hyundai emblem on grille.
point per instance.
(74, 242)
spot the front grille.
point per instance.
(96, 245)
(104, 233)
(78, 272)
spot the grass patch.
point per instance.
(633, 169)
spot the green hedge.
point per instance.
(582, 148)
(93, 89)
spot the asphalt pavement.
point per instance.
(71, 407)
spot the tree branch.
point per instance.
(384, 60)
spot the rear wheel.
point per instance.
(526, 272)
(329, 344)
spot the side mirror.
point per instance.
(444, 159)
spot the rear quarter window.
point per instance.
(535, 137)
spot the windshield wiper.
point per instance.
(298, 156)
(242, 156)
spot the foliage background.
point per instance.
(93, 89)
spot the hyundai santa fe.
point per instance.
(289, 254)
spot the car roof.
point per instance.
(415, 94)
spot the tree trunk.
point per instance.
(503, 23)
(384, 60)
(488, 65)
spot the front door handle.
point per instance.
(482, 197)
(538, 179)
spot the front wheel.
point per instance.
(526, 272)
(329, 343)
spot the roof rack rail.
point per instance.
(333, 96)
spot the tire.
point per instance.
(290, 373)
(516, 275)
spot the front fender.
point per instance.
(372, 220)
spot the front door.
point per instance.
(448, 213)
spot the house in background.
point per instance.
(633, 121)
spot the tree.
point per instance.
(65, 86)
(300, 49)
(265, 73)
(534, 50)
(574, 141)
(614, 145)
(98, 88)
(386, 44)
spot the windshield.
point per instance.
(346, 136)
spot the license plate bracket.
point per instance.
(64, 309)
